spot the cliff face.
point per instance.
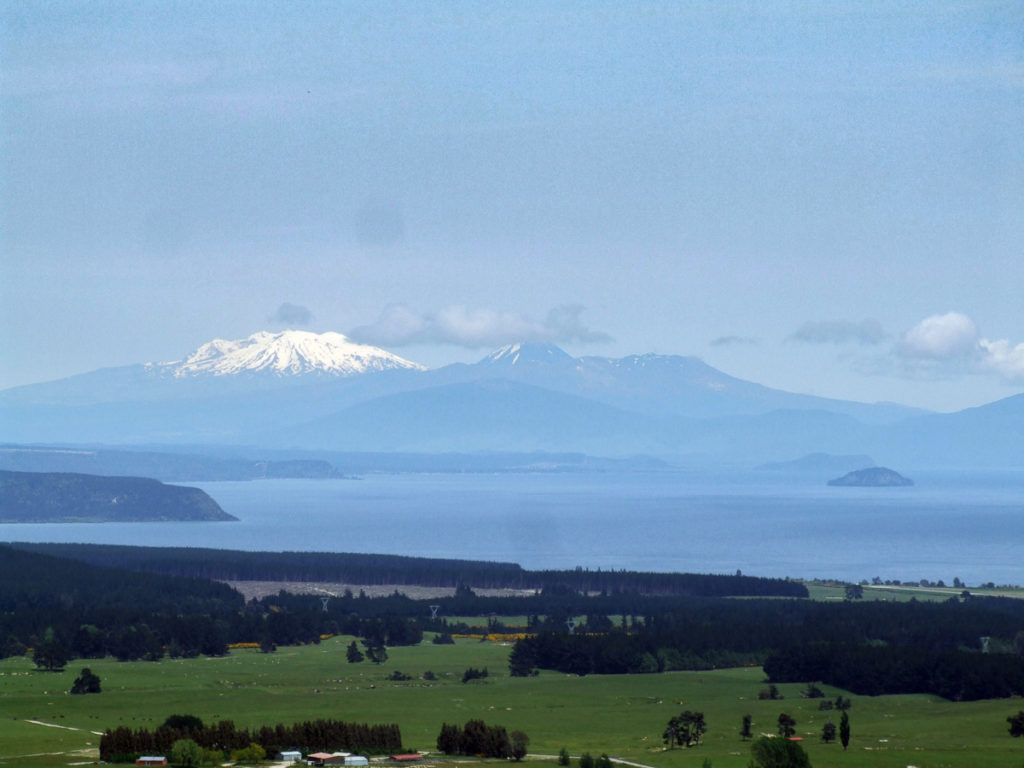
(872, 477)
(56, 497)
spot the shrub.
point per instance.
(472, 673)
(186, 753)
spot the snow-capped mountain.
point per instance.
(528, 354)
(300, 390)
(289, 353)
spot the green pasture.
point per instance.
(837, 592)
(622, 715)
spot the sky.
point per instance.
(824, 197)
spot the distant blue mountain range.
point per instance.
(522, 398)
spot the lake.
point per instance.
(969, 526)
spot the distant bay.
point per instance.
(965, 525)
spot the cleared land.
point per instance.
(622, 715)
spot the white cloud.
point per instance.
(475, 328)
(941, 337)
(1004, 359)
(944, 345)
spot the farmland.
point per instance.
(621, 715)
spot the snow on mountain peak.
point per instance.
(288, 353)
(534, 352)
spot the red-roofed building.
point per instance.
(151, 760)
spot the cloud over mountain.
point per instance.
(399, 325)
(952, 342)
(733, 341)
(940, 337)
(291, 316)
(839, 332)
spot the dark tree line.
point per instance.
(875, 670)
(868, 648)
(91, 611)
(124, 744)
(394, 569)
(476, 738)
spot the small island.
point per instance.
(872, 477)
(64, 497)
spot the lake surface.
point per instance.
(969, 526)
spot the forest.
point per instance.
(66, 609)
(869, 648)
(372, 569)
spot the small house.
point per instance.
(289, 755)
(317, 758)
(357, 760)
(151, 760)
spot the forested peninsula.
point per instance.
(59, 497)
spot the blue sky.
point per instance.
(822, 197)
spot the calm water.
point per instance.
(967, 526)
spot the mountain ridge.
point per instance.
(522, 397)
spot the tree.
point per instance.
(778, 753)
(1016, 724)
(586, 760)
(603, 761)
(254, 753)
(353, 654)
(50, 653)
(844, 730)
(12, 646)
(828, 732)
(787, 725)
(745, 732)
(188, 723)
(812, 691)
(563, 757)
(771, 693)
(448, 739)
(378, 654)
(472, 673)
(86, 682)
(520, 662)
(854, 591)
(520, 741)
(685, 729)
(186, 753)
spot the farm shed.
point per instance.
(323, 758)
(151, 760)
(288, 754)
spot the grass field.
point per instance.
(622, 716)
(837, 592)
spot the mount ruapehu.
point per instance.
(300, 391)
